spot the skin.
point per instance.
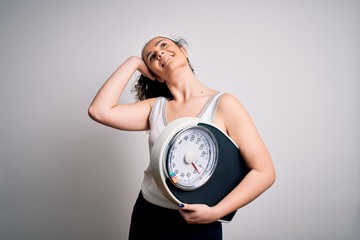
(169, 64)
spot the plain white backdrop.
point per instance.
(293, 64)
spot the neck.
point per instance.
(186, 85)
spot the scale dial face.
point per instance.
(191, 157)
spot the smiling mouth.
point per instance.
(165, 61)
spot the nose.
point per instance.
(159, 54)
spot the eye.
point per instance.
(152, 56)
(163, 44)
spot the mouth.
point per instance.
(165, 61)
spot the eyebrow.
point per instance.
(157, 43)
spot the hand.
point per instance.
(198, 213)
(141, 67)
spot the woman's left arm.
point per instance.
(241, 128)
(234, 119)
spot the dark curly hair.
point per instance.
(145, 88)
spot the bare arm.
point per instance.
(242, 130)
(233, 117)
(105, 108)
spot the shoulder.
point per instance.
(230, 110)
(156, 100)
(229, 102)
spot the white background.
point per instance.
(293, 64)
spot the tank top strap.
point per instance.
(156, 119)
(210, 108)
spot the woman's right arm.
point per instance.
(105, 108)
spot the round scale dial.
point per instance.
(191, 157)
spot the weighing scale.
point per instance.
(193, 161)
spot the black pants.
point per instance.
(149, 221)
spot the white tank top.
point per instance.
(158, 122)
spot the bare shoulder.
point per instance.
(148, 103)
(228, 97)
(231, 112)
(229, 103)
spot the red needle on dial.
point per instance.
(189, 158)
(195, 167)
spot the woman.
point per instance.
(168, 89)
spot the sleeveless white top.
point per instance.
(158, 122)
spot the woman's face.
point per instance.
(162, 56)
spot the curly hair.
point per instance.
(145, 88)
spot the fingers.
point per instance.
(184, 206)
(151, 77)
(195, 213)
(185, 211)
(144, 70)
